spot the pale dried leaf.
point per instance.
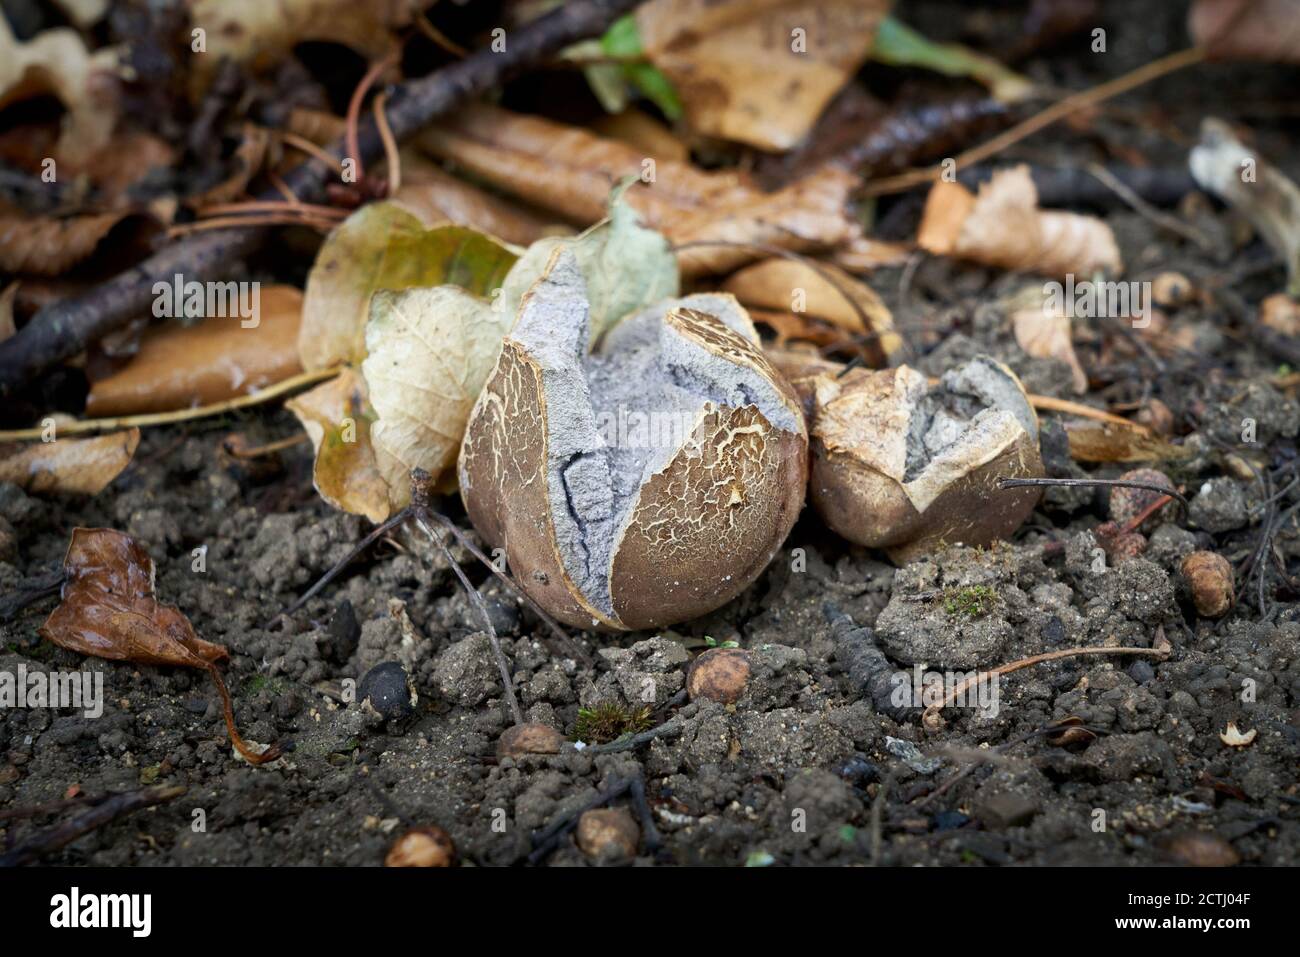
(70, 466)
(1042, 329)
(1002, 226)
(1235, 738)
(1281, 313)
(822, 291)
(57, 62)
(46, 246)
(1117, 443)
(176, 367)
(1225, 166)
(429, 353)
(337, 418)
(737, 65)
(262, 34)
(383, 246)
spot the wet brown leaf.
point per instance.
(1003, 226)
(70, 466)
(109, 610)
(758, 72)
(181, 366)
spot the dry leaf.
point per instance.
(1043, 331)
(109, 610)
(643, 132)
(1003, 226)
(436, 197)
(247, 161)
(383, 246)
(758, 72)
(57, 62)
(1234, 738)
(1225, 166)
(1267, 30)
(337, 418)
(7, 297)
(1281, 313)
(46, 246)
(1117, 443)
(822, 291)
(70, 466)
(626, 266)
(262, 34)
(570, 171)
(177, 367)
(429, 353)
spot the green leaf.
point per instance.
(899, 45)
(622, 41)
(627, 266)
(382, 246)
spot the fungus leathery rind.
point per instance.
(642, 483)
(901, 465)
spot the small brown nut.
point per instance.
(720, 674)
(429, 846)
(529, 739)
(905, 466)
(1128, 503)
(642, 482)
(608, 834)
(1172, 289)
(1209, 577)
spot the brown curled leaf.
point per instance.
(109, 610)
(1003, 226)
(48, 246)
(69, 466)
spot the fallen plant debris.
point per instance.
(1002, 226)
(108, 610)
(637, 434)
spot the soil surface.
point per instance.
(812, 764)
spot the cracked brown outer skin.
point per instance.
(708, 524)
(703, 528)
(504, 483)
(868, 507)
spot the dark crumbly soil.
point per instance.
(804, 745)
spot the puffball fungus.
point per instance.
(904, 466)
(640, 483)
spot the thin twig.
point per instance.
(932, 720)
(106, 812)
(1139, 205)
(1080, 483)
(281, 388)
(503, 665)
(1057, 111)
